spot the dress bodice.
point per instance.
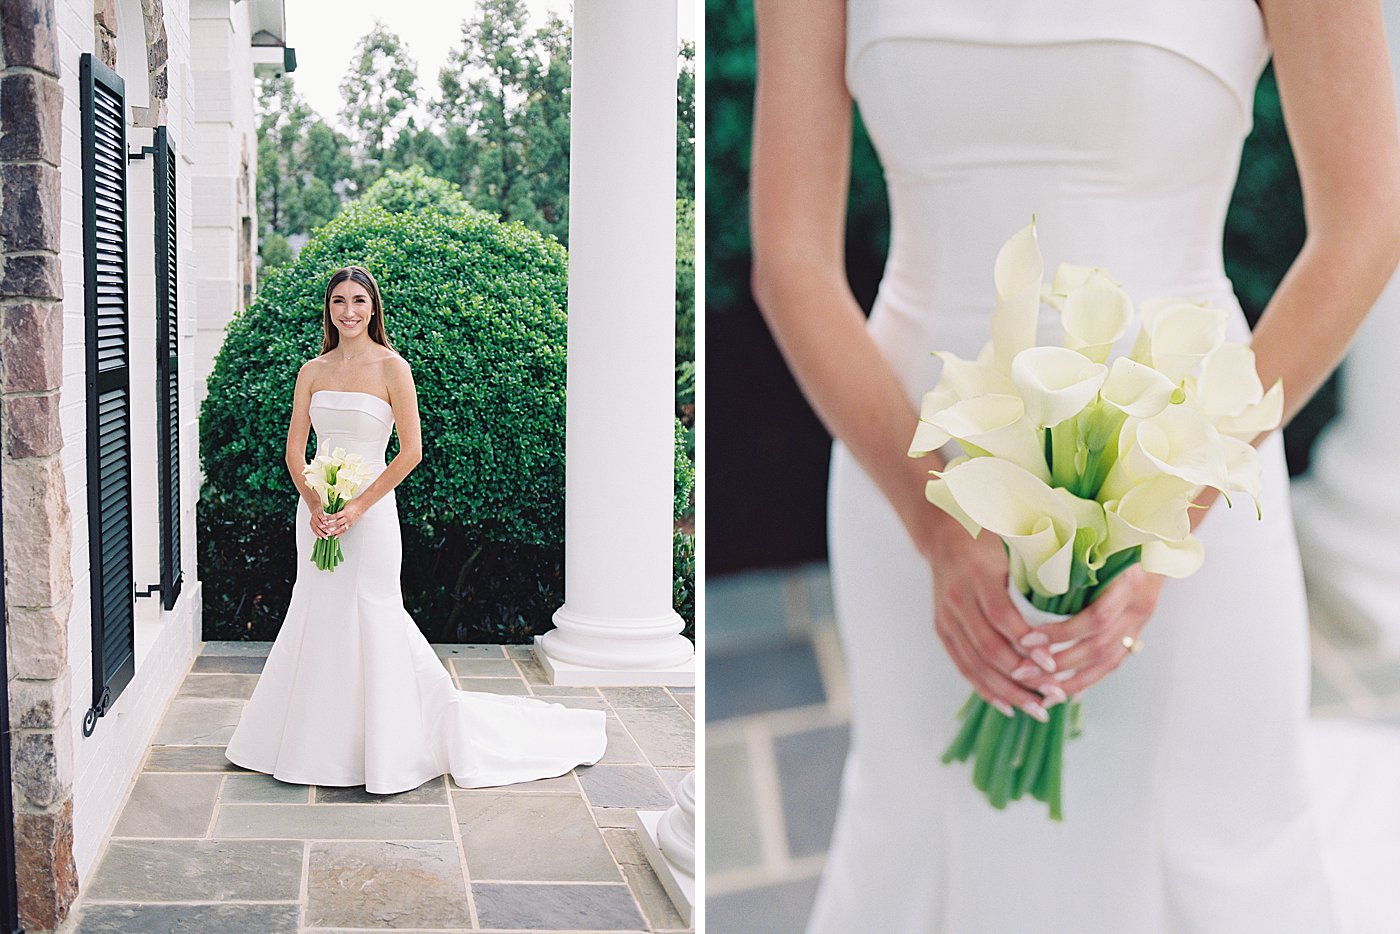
(360, 422)
(1119, 126)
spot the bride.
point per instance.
(351, 692)
(1119, 126)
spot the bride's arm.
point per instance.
(403, 399)
(1338, 96)
(295, 456)
(798, 187)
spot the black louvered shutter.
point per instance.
(167, 370)
(108, 383)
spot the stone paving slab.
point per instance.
(638, 697)
(169, 805)
(509, 837)
(493, 685)
(641, 878)
(255, 788)
(468, 651)
(219, 685)
(242, 664)
(332, 822)
(189, 759)
(101, 918)
(198, 870)
(196, 722)
(625, 786)
(386, 885)
(258, 649)
(621, 747)
(773, 909)
(565, 784)
(666, 734)
(432, 791)
(485, 667)
(809, 769)
(516, 907)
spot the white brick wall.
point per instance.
(106, 763)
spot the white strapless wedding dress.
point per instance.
(1118, 126)
(353, 694)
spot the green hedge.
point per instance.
(477, 308)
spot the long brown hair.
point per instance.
(330, 335)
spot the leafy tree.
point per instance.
(282, 115)
(503, 104)
(685, 124)
(379, 90)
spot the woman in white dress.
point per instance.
(351, 692)
(1119, 126)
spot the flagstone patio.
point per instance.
(202, 845)
(777, 731)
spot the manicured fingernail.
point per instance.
(1054, 694)
(1044, 659)
(1004, 707)
(1026, 671)
(1035, 710)
(1034, 638)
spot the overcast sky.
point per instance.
(324, 33)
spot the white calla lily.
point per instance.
(1173, 559)
(1256, 419)
(995, 425)
(1242, 462)
(1018, 273)
(1178, 335)
(1037, 522)
(1055, 383)
(1178, 441)
(1155, 510)
(1136, 389)
(1069, 277)
(1228, 383)
(936, 492)
(1095, 315)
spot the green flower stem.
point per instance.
(961, 747)
(1035, 759)
(1063, 441)
(987, 738)
(1058, 718)
(1002, 773)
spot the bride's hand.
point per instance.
(1100, 628)
(982, 629)
(319, 521)
(341, 522)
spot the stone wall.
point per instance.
(38, 527)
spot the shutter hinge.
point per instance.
(97, 710)
(144, 151)
(151, 590)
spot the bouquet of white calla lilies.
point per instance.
(337, 478)
(1082, 466)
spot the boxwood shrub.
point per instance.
(477, 308)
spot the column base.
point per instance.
(679, 884)
(568, 674)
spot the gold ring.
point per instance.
(1133, 646)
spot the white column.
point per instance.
(1347, 507)
(668, 839)
(616, 625)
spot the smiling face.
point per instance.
(350, 308)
